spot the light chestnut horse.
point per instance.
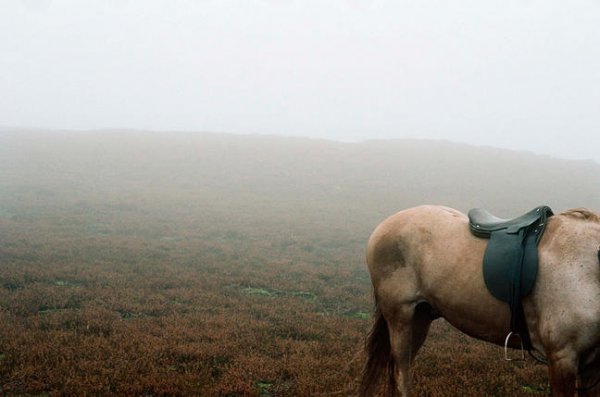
(425, 264)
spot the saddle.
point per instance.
(510, 261)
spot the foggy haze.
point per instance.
(513, 74)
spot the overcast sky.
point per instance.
(521, 74)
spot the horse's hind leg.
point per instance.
(422, 319)
(562, 375)
(400, 331)
(407, 326)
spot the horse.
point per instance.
(425, 264)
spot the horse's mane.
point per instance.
(582, 213)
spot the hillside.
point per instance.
(243, 178)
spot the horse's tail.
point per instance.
(379, 359)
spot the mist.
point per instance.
(511, 74)
(187, 188)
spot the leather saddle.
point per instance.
(510, 261)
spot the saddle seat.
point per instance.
(483, 222)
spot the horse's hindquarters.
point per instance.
(427, 254)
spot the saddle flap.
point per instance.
(510, 261)
(510, 266)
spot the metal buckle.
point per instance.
(507, 340)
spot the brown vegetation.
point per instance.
(227, 266)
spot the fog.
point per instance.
(513, 74)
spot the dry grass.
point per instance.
(130, 315)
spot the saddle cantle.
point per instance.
(510, 261)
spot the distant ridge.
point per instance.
(247, 175)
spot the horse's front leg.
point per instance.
(563, 375)
(588, 386)
(589, 380)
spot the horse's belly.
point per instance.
(491, 325)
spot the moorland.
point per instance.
(161, 264)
